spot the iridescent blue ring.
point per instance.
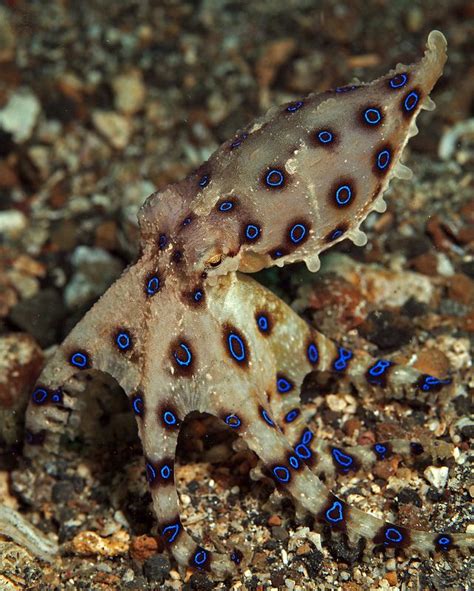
(307, 437)
(123, 340)
(398, 81)
(294, 106)
(271, 181)
(281, 473)
(343, 195)
(200, 557)
(303, 451)
(233, 421)
(383, 159)
(39, 395)
(150, 472)
(137, 405)
(189, 357)
(297, 233)
(226, 206)
(197, 295)
(335, 513)
(411, 100)
(372, 116)
(336, 234)
(204, 181)
(294, 462)
(313, 353)
(174, 529)
(79, 360)
(169, 418)
(344, 460)
(153, 285)
(262, 322)
(393, 535)
(267, 418)
(292, 415)
(284, 385)
(252, 232)
(166, 472)
(444, 541)
(231, 340)
(325, 137)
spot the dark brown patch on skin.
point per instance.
(274, 178)
(168, 416)
(177, 256)
(334, 514)
(35, 438)
(186, 221)
(182, 357)
(387, 536)
(264, 321)
(409, 114)
(368, 113)
(381, 164)
(416, 448)
(338, 231)
(160, 474)
(236, 346)
(196, 297)
(278, 253)
(343, 193)
(297, 233)
(324, 137)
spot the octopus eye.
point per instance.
(214, 261)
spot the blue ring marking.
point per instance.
(40, 395)
(262, 322)
(398, 81)
(174, 529)
(383, 159)
(230, 342)
(57, 397)
(430, 382)
(380, 367)
(252, 232)
(233, 421)
(226, 206)
(137, 405)
(296, 239)
(236, 143)
(343, 195)
(166, 472)
(187, 221)
(307, 437)
(284, 385)
(294, 462)
(189, 356)
(372, 116)
(150, 473)
(411, 100)
(197, 295)
(313, 353)
(342, 459)
(274, 172)
(162, 241)
(267, 418)
(292, 415)
(346, 88)
(303, 451)
(325, 137)
(380, 450)
(123, 341)
(169, 418)
(285, 475)
(341, 362)
(336, 234)
(294, 106)
(200, 557)
(153, 285)
(236, 556)
(335, 513)
(204, 181)
(79, 360)
(444, 541)
(393, 536)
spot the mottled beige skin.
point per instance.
(169, 327)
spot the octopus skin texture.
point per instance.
(186, 329)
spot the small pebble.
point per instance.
(438, 477)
